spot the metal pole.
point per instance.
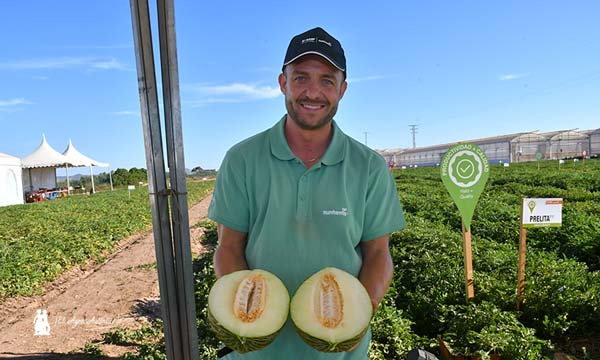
(157, 185)
(179, 208)
(68, 183)
(30, 182)
(92, 178)
(413, 130)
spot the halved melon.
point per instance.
(331, 310)
(247, 309)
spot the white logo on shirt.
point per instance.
(343, 212)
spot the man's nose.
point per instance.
(313, 89)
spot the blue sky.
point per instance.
(458, 69)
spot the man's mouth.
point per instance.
(312, 106)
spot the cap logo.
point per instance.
(324, 42)
(314, 39)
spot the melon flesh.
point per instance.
(331, 310)
(247, 309)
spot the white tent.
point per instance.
(77, 159)
(11, 189)
(41, 167)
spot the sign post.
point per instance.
(522, 256)
(535, 213)
(465, 170)
(129, 188)
(468, 263)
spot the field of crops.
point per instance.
(562, 294)
(427, 297)
(40, 241)
(426, 300)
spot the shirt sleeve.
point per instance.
(383, 211)
(229, 205)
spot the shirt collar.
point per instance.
(281, 150)
(336, 150)
(279, 145)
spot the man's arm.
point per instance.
(230, 254)
(377, 268)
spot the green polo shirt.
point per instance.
(301, 220)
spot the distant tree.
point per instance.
(200, 172)
(138, 175)
(121, 177)
(83, 180)
(129, 177)
(103, 178)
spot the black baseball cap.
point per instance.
(316, 41)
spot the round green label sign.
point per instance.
(465, 170)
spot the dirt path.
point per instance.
(83, 304)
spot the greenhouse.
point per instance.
(518, 147)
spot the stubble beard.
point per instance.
(302, 123)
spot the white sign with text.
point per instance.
(542, 212)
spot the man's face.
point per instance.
(312, 88)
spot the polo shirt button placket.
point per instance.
(302, 193)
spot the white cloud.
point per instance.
(108, 64)
(507, 77)
(373, 77)
(13, 105)
(101, 47)
(236, 89)
(14, 102)
(125, 113)
(64, 63)
(230, 93)
(42, 63)
(212, 100)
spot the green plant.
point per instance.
(148, 341)
(392, 335)
(94, 349)
(40, 241)
(561, 297)
(485, 329)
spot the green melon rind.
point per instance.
(321, 344)
(240, 344)
(325, 346)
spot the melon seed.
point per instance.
(329, 307)
(250, 298)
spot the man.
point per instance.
(302, 195)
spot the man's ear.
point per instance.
(282, 81)
(343, 89)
